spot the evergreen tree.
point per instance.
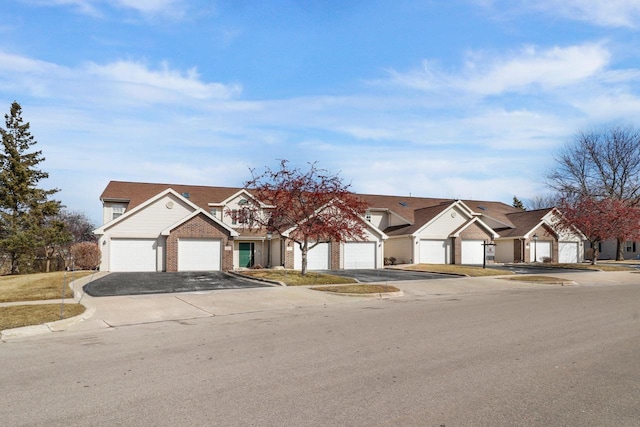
(517, 203)
(25, 209)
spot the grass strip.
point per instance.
(600, 267)
(547, 280)
(357, 289)
(295, 278)
(462, 270)
(26, 315)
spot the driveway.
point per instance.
(159, 282)
(386, 275)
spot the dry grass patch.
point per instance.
(358, 289)
(26, 315)
(599, 267)
(41, 286)
(547, 280)
(462, 270)
(295, 278)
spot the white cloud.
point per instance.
(150, 6)
(169, 8)
(529, 68)
(157, 84)
(133, 82)
(606, 13)
(86, 7)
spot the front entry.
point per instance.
(246, 254)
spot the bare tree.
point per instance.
(600, 164)
(543, 201)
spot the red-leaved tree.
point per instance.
(309, 207)
(600, 219)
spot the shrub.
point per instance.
(86, 255)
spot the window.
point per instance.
(213, 212)
(630, 246)
(234, 216)
(116, 211)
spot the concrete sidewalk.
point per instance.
(110, 312)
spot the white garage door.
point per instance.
(133, 255)
(433, 251)
(359, 255)
(199, 254)
(472, 251)
(568, 252)
(540, 250)
(317, 258)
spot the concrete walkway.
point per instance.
(111, 312)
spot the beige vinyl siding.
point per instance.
(380, 219)
(400, 248)
(394, 220)
(444, 225)
(153, 218)
(505, 250)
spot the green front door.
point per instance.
(246, 254)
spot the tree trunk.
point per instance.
(594, 258)
(14, 263)
(619, 250)
(305, 250)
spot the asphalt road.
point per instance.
(556, 356)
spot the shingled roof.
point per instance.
(136, 193)
(523, 222)
(416, 210)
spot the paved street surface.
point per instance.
(540, 355)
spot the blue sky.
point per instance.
(457, 98)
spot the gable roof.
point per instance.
(136, 193)
(523, 222)
(417, 211)
(131, 211)
(195, 213)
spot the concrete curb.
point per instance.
(378, 295)
(257, 279)
(55, 326)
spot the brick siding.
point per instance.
(199, 227)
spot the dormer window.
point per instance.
(116, 211)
